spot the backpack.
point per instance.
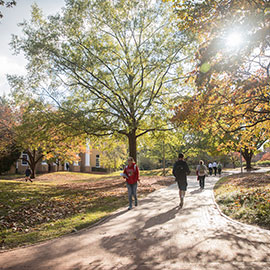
(179, 170)
(201, 169)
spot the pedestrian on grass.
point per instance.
(215, 167)
(219, 168)
(131, 174)
(180, 171)
(28, 174)
(201, 172)
(210, 168)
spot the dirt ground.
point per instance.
(249, 180)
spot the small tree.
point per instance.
(42, 137)
(235, 158)
(38, 132)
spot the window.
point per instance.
(44, 162)
(76, 163)
(97, 161)
(24, 158)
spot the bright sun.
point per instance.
(234, 40)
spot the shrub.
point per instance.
(8, 158)
(263, 163)
(96, 169)
(146, 163)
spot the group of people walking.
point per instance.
(214, 168)
(180, 171)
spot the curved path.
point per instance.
(154, 236)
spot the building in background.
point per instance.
(88, 161)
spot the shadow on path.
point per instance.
(161, 218)
(196, 191)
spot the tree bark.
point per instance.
(34, 158)
(132, 143)
(163, 157)
(33, 170)
(32, 163)
(247, 154)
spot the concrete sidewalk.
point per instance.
(156, 235)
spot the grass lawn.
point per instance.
(245, 197)
(63, 202)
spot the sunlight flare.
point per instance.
(234, 40)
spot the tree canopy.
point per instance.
(232, 62)
(231, 71)
(35, 128)
(111, 66)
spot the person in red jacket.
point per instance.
(131, 174)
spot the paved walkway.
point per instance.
(154, 236)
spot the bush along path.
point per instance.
(155, 235)
(246, 197)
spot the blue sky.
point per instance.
(9, 63)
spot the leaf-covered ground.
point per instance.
(245, 197)
(59, 203)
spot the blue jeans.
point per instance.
(132, 190)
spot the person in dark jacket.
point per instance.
(215, 168)
(28, 174)
(180, 171)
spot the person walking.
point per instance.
(215, 167)
(219, 168)
(28, 174)
(180, 171)
(201, 172)
(131, 174)
(210, 168)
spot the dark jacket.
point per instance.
(27, 172)
(180, 170)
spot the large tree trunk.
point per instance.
(132, 143)
(247, 154)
